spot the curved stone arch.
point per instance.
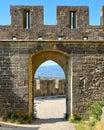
(36, 60)
(55, 55)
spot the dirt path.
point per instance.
(50, 116)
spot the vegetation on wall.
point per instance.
(91, 119)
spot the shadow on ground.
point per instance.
(48, 121)
(13, 127)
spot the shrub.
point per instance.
(76, 118)
(93, 113)
(23, 118)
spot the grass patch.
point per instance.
(91, 119)
(84, 126)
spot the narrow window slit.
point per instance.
(72, 19)
(26, 19)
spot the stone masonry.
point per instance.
(77, 46)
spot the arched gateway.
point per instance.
(60, 57)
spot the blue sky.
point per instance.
(49, 63)
(50, 9)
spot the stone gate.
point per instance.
(74, 44)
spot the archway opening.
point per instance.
(64, 60)
(49, 91)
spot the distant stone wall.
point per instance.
(49, 87)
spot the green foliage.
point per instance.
(11, 117)
(95, 111)
(91, 117)
(87, 104)
(20, 119)
(76, 118)
(92, 121)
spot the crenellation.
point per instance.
(35, 25)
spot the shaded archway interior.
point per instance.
(36, 60)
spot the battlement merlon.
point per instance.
(20, 14)
(73, 16)
(67, 16)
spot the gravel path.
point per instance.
(50, 116)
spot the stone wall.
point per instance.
(49, 87)
(18, 45)
(88, 71)
(87, 67)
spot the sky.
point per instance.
(49, 63)
(50, 9)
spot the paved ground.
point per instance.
(50, 107)
(50, 116)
